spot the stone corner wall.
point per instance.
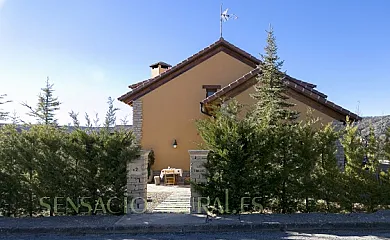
(197, 170)
(137, 174)
(137, 119)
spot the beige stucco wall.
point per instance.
(302, 108)
(170, 110)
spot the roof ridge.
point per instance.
(221, 41)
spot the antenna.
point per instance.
(220, 22)
(358, 108)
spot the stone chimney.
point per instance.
(159, 68)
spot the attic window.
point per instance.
(211, 89)
(210, 92)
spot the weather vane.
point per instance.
(224, 17)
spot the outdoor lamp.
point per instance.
(174, 143)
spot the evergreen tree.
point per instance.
(124, 120)
(15, 119)
(96, 120)
(88, 120)
(12, 187)
(110, 119)
(328, 180)
(46, 107)
(272, 104)
(3, 115)
(385, 175)
(74, 116)
(231, 164)
(362, 168)
(386, 145)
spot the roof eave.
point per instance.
(233, 89)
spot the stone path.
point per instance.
(177, 202)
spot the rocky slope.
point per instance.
(378, 123)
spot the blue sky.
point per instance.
(93, 49)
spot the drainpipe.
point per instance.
(203, 111)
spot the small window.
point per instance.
(211, 89)
(210, 92)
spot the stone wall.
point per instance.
(137, 173)
(137, 119)
(197, 171)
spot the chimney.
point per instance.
(159, 68)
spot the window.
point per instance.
(210, 92)
(211, 89)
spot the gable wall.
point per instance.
(169, 111)
(244, 98)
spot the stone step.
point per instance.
(174, 203)
(173, 207)
(184, 212)
(177, 199)
(177, 202)
(180, 196)
(183, 198)
(167, 208)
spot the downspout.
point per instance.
(203, 111)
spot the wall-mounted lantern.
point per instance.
(174, 145)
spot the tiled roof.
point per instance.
(231, 86)
(141, 88)
(249, 79)
(135, 85)
(222, 44)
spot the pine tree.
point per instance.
(110, 119)
(96, 120)
(15, 119)
(328, 179)
(46, 107)
(88, 120)
(74, 116)
(3, 115)
(272, 104)
(233, 163)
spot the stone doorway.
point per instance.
(151, 198)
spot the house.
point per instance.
(166, 105)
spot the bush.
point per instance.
(286, 167)
(39, 163)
